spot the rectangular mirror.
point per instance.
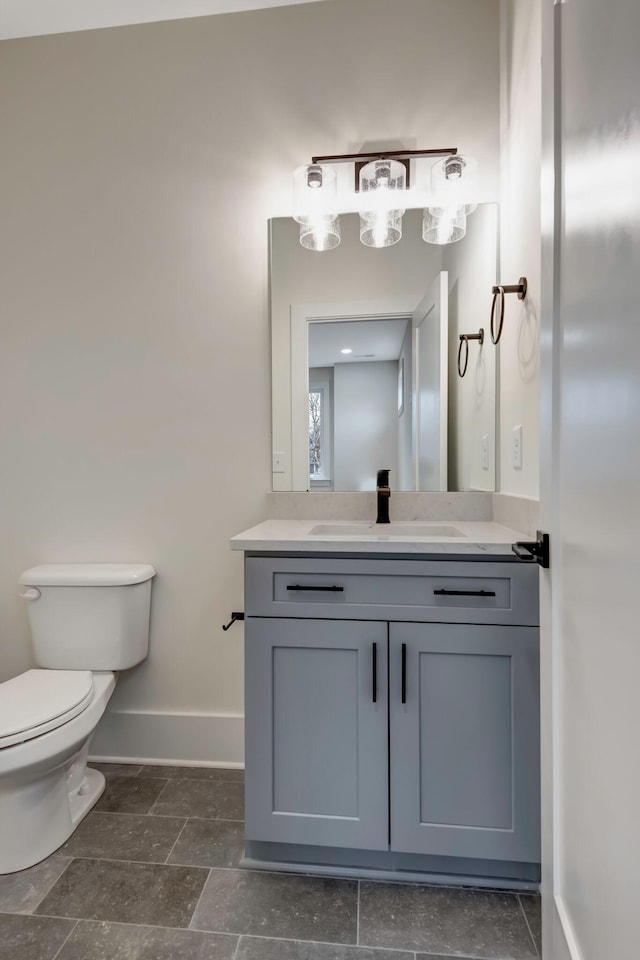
(365, 359)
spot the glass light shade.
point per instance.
(453, 183)
(315, 193)
(383, 231)
(443, 225)
(320, 234)
(382, 189)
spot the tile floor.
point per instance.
(153, 873)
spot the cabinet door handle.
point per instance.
(375, 672)
(331, 589)
(404, 673)
(465, 593)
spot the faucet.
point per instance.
(384, 493)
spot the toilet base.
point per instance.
(38, 816)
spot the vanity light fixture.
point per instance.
(382, 180)
(315, 206)
(452, 192)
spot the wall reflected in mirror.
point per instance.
(364, 360)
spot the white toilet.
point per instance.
(87, 620)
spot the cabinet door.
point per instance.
(317, 732)
(464, 751)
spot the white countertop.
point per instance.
(284, 536)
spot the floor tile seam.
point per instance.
(166, 784)
(132, 923)
(62, 945)
(358, 917)
(526, 920)
(148, 863)
(35, 906)
(150, 813)
(173, 846)
(197, 904)
(321, 943)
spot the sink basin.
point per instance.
(386, 531)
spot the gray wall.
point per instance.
(139, 167)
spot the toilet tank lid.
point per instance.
(87, 574)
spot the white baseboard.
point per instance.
(179, 739)
(561, 940)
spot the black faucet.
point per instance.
(384, 493)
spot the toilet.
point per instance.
(87, 621)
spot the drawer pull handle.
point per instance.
(332, 589)
(404, 673)
(375, 672)
(465, 593)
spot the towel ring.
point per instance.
(520, 288)
(464, 339)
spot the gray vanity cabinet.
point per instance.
(464, 740)
(316, 736)
(392, 715)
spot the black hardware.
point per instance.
(375, 672)
(404, 673)
(465, 593)
(331, 589)
(537, 550)
(383, 491)
(236, 615)
(404, 156)
(464, 339)
(520, 288)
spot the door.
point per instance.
(430, 380)
(590, 456)
(316, 732)
(459, 786)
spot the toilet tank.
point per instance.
(89, 616)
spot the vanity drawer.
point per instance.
(416, 590)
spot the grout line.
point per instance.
(235, 952)
(150, 810)
(50, 888)
(195, 909)
(526, 920)
(358, 917)
(173, 845)
(58, 951)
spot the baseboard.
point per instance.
(179, 739)
(564, 945)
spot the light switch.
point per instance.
(517, 447)
(484, 454)
(278, 463)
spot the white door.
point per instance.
(430, 380)
(590, 480)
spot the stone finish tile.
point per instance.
(256, 948)
(32, 938)
(117, 769)
(209, 843)
(214, 800)
(193, 773)
(114, 941)
(124, 836)
(130, 795)
(144, 893)
(532, 906)
(279, 905)
(22, 892)
(467, 923)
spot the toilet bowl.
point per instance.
(88, 614)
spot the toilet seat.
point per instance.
(41, 700)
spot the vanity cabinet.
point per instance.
(392, 711)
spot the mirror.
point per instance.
(395, 400)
